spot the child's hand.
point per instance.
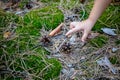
(84, 26)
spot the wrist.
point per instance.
(93, 21)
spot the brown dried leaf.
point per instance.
(6, 34)
(56, 30)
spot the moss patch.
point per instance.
(34, 62)
(22, 52)
(49, 17)
(54, 70)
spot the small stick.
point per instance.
(61, 44)
(56, 30)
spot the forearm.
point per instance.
(98, 8)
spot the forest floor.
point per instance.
(96, 59)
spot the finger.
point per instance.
(73, 24)
(85, 35)
(71, 31)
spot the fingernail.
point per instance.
(82, 40)
(65, 35)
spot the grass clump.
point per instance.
(6, 18)
(49, 17)
(99, 41)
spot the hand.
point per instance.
(84, 26)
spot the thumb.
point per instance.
(71, 31)
(85, 35)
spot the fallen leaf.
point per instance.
(114, 49)
(109, 31)
(56, 30)
(6, 34)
